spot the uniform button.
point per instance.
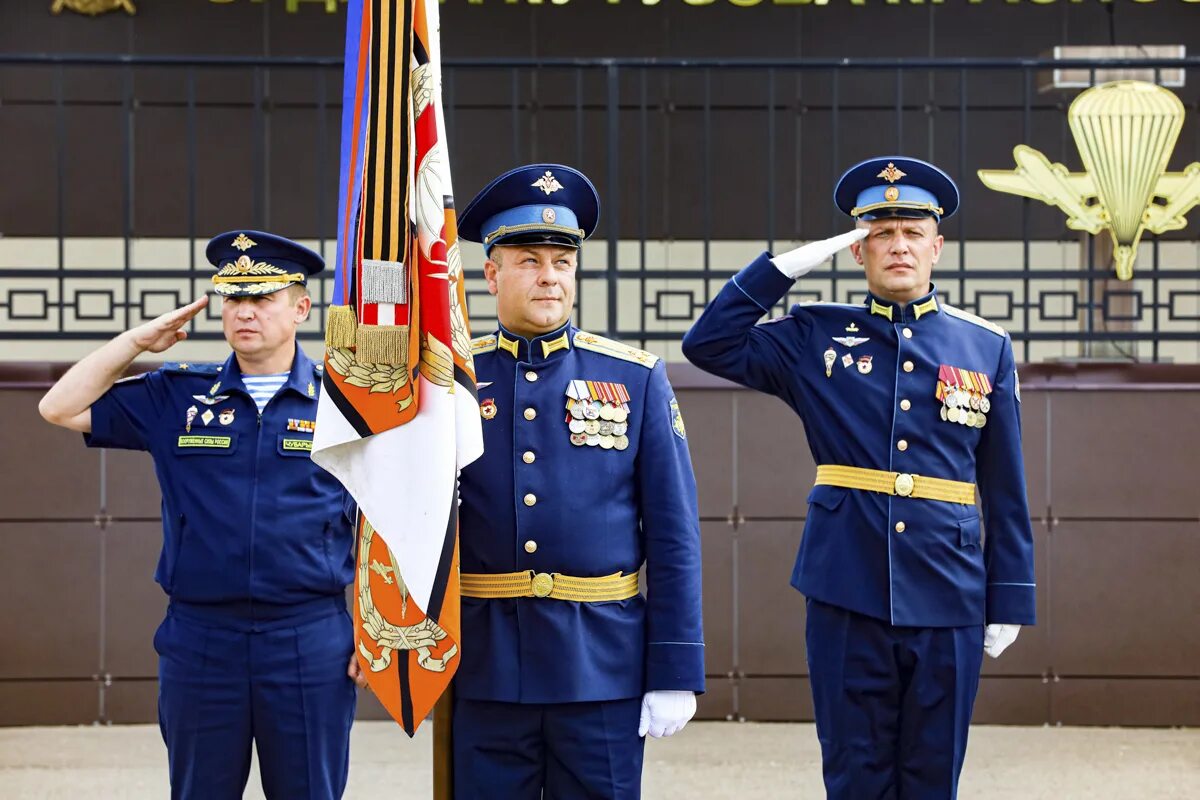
(530, 499)
(531, 546)
(908, 366)
(530, 413)
(531, 376)
(899, 527)
(902, 445)
(528, 457)
(905, 405)
(907, 333)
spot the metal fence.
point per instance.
(701, 163)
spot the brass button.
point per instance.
(531, 376)
(543, 584)
(531, 546)
(528, 457)
(907, 333)
(908, 366)
(905, 405)
(902, 445)
(899, 527)
(530, 413)
(530, 499)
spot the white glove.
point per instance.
(997, 638)
(802, 260)
(666, 712)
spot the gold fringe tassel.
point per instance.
(340, 326)
(382, 344)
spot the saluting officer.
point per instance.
(257, 538)
(584, 479)
(909, 405)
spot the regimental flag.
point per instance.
(398, 415)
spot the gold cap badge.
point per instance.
(891, 174)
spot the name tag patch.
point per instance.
(217, 442)
(298, 444)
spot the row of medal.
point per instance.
(963, 395)
(598, 414)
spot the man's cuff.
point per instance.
(676, 666)
(1011, 604)
(763, 283)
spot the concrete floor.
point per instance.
(708, 760)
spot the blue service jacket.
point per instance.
(595, 512)
(252, 528)
(936, 570)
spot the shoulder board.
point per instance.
(615, 349)
(974, 320)
(811, 303)
(483, 344)
(188, 368)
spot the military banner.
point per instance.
(398, 415)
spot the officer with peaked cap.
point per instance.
(909, 405)
(257, 540)
(584, 479)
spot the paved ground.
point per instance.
(708, 760)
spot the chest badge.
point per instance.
(209, 400)
(851, 341)
(864, 365)
(830, 357)
(598, 414)
(487, 408)
(226, 416)
(302, 425)
(207, 416)
(191, 415)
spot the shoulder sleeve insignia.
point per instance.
(677, 420)
(966, 316)
(614, 349)
(483, 344)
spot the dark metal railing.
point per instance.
(680, 153)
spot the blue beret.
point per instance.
(534, 204)
(895, 186)
(253, 262)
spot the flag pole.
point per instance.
(443, 755)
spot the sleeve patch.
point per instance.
(677, 420)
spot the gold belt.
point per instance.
(549, 584)
(900, 484)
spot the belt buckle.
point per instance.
(542, 585)
(904, 484)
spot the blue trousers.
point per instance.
(893, 704)
(286, 689)
(516, 751)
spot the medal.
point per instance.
(591, 427)
(606, 428)
(864, 365)
(951, 400)
(974, 402)
(953, 414)
(830, 357)
(593, 439)
(980, 419)
(576, 426)
(591, 411)
(607, 442)
(620, 414)
(942, 411)
(621, 442)
(620, 428)
(969, 421)
(606, 411)
(487, 408)
(985, 405)
(578, 439)
(577, 410)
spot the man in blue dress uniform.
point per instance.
(257, 539)
(585, 479)
(909, 405)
